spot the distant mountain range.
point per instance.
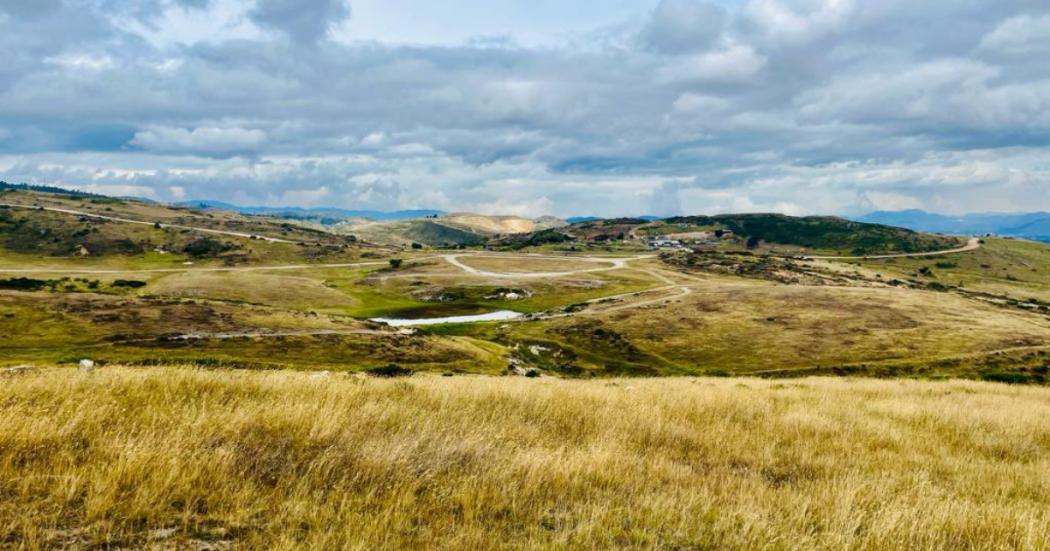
(325, 215)
(332, 215)
(1033, 225)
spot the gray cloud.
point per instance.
(305, 21)
(678, 26)
(792, 105)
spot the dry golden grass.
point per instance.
(184, 458)
(292, 291)
(747, 328)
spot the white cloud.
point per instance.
(208, 140)
(693, 103)
(798, 22)
(892, 201)
(82, 61)
(118, 190)
(1020, 36)
(532, 208)
(736, 63)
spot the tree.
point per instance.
(395, 263)
(752, 242)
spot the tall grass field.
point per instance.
(177, 458)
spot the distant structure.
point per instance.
(679, 240)
(662, 243)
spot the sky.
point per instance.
(531, 108)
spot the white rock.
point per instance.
(86, 366)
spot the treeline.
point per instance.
(821, 232)
(4, 186)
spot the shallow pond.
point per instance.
(501, 315)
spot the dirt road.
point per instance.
(972, 245)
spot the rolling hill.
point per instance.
(322, 215)
(451, 230)
(816, 233)
(62, 224)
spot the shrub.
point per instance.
(23, 284)
(206, 247)
(390, 371)
(129, 283)
(1008, 377)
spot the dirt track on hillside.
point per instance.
(145, 223)
(972, 245)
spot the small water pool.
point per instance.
(501, 315)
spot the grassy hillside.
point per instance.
(215, 319)
(163, 235)
(1015, 269)
(178, 458)
(440, 235)
(752, 231)
(824, 233)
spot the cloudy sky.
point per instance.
(604, 107)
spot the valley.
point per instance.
(769, 296)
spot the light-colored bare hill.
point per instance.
(500, 224)
(452, 229)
